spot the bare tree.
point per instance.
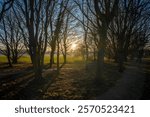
(5, 50)
(103, 12)
(68, 34)
(129, 21)
(55, 28)
(5, 5)
(33, 16)
(138, 43)
(11, 39)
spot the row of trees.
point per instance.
(118, 29)
(112, 28)
(33, 25)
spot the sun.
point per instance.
(74, 46)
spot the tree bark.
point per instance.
(94, 54)
(65, 58)
(9, 61)
(101, 53)
(121, 53)
(8, 56)
(15, 60)
(121, 60)
(52, 56)
(58, 62)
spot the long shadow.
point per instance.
(94, 88)
(62, 65)
(23, 85)
(13, 83)
(8, 92)
(35, 89)
(13, 76)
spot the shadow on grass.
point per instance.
(94, 88)
(35, 88)
(73, 82)
(79, 83)
(22, 84)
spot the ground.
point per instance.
(76, 82)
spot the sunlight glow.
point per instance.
(74, 46)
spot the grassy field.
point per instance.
(26, 59)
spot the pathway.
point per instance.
(129, 87)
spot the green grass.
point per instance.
(3, 59)
(26, 59)
(61, 60)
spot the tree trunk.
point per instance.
(121, 54)
(86, 57)
(65, 54)
(8, 56)
(94, 54)
(38, 72)
(58, 68)
(116, 57)
(87, 53)
(101, 54)
(121, 60)
(86, 48)
(37, 67)
(65, 58)
(15, 60)
(9, 61)
(52, 57)
(100, 64)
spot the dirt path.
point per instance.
(129, 87)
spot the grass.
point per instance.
(73, 81)
(3, 59)
(26, 59)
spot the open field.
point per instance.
(26, 59)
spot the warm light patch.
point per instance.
(74, 46)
